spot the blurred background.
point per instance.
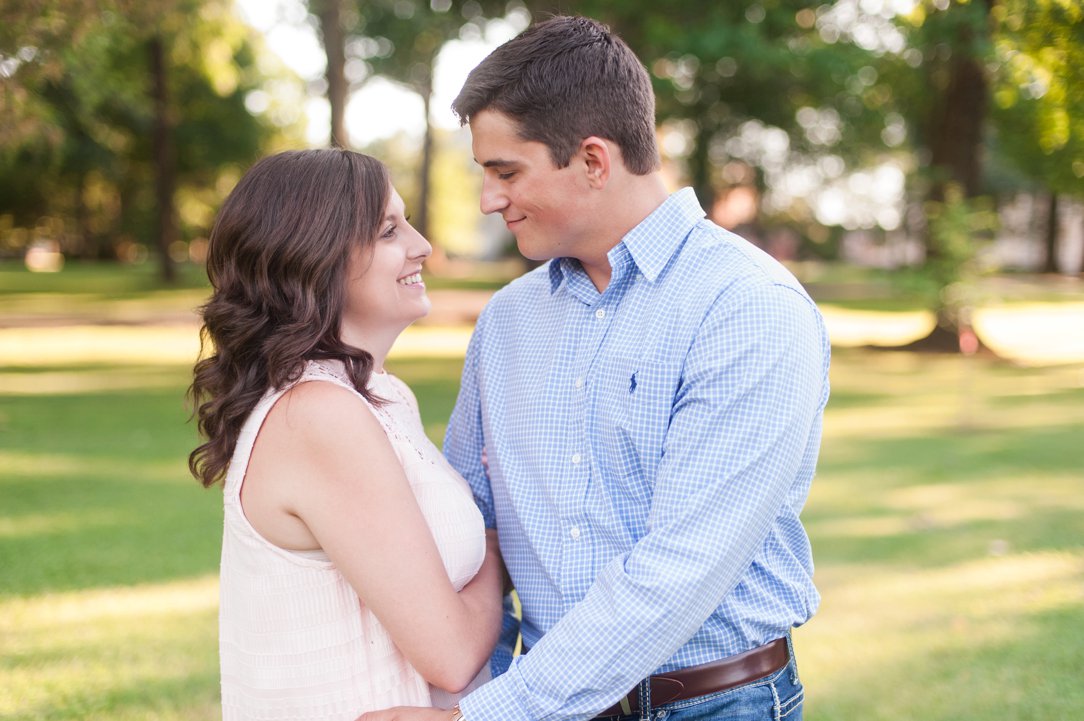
(919, 165)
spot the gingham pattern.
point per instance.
(649, 451)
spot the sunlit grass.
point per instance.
(994, 637)
(159, 345)
(1034, 332)
(139, 651)
(948, 526)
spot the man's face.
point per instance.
(543, 206)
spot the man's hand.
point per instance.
(407, 713)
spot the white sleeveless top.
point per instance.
(295, 641)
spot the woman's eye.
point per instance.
(389, 232)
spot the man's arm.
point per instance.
(464, 447)
(464, 441)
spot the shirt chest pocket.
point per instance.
(632, 412)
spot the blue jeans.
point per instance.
(776, 697)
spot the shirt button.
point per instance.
(600, 313)
(576, 458)
(579, 382)
(574, 532)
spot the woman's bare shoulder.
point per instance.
(324, 413)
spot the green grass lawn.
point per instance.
(947, 520)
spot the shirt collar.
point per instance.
(651, 243)
(658, 236)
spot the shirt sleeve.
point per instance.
(464, 440)
(753, 388)
(464, 443)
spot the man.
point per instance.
(650, 405)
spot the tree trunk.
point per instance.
(956, 121)
(1080, 267)
(84, 246)
(425, 170)
(335, 48)
(955, 127)
(164, 167)
(700, 167)
(438, 260)
(1050, 244)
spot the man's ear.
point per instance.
(597, 158)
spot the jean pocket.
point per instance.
(791, 708)
(789, 694)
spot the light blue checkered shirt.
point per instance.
(649, 450)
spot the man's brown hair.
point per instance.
(566, 79)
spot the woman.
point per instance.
(356, 573)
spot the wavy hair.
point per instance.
(277, 262)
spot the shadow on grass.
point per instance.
(841, 399)
(924, 543)
(124, 533)
(97, 493)
(934, 500)
(962, 455)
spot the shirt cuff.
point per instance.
(502, 699)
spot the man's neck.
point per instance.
(599, 273)
(629, 201)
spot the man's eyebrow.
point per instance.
(497, 163)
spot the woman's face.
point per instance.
(385, 292)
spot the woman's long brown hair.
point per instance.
(277, 262)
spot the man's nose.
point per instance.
(493, 200)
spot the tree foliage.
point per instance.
(398, 40)
(780, 64)
(80, 149)
(1038, 103)
(984, 94)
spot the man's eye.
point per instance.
(505, 176)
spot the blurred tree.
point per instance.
(1001, 84)
(400, 40)
(330, 20)
(142, 102)
(783, 64)
(1038, 100)
(946, 104)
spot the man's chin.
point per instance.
(533, 254)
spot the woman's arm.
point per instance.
(324, 461)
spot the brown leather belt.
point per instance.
(694, 681)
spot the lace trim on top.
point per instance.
(380, 384)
